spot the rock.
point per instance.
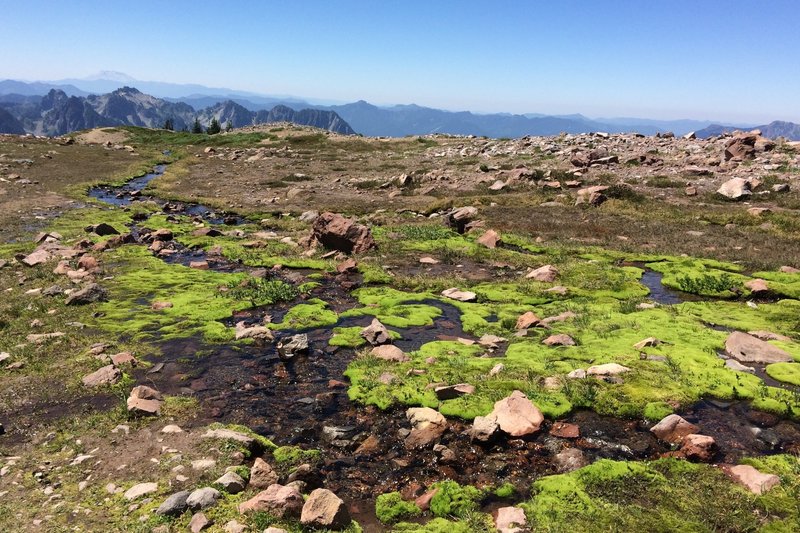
(387, 352)
(450, 392)
(203, 465)
(483, 428)
(565, 430)
(491, 341)
(570, 459)
(427, 426)
(427, 260)
(527, 320)
(510, 520)
(347, 266)
(234, 527)
(231, 482)
(516, 415)
(199, 265)
(758, 211)
(645, 343)
(789, 270)
(496, 369)
(174, 505)
(578, 373)
(748, 349)
(336, 232)
(698, 447)
(277, 500)
(769, 336)
(741, 147)
(37, 257)
(757, 286)
(101, 229)
(562, 317)
(87, 262)
(308, 216)
(291, 346)
(253, 332)
(591, 195)
(736, 366)
(490, 239)
(559, 340)
(199, 522)
(546, 273)
(202, 498)
(139, 490)
(275, 530)
(608, 369)
(159, 306)
(324, 509)
(459, 295)
(123, 358)
(262, 475)
(781, 187)
(460, 217)
(106, 375)
(735, 189)
(144, 401)
(171, 429)
(751, 479)
(90, 294)
(673, 428)
(249, 442)
(376, 333)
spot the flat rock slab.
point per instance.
(751, 479)
(749, 349)
(137, 491)
(459, 295)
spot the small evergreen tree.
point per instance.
(214, 127)
(196, 127)
(229, 126)
(169, 124)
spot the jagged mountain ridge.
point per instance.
(56, 113)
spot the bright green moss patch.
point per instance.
(292, 456)
(665, 495)
(475, 523)
(391, 507)
(452, 499)
(702, 277)
(197, 302)
(786, 372)
(312, 314)
(351, 337)
(263, 442)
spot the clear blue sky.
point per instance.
(726, 60)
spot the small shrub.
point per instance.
(262, 291)
(706, 284)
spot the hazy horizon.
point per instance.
(716, 61)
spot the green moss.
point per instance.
(452, 499)
(179, 406)
(786, 372)
(701, 277)
(389, 508)
(506, 490)
(657, 410)
(351, 337)
(476, 523)
(291, 456)
(263, 442)
(312, 314)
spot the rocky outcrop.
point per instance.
(336, 232)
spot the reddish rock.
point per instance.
(262, 474)
(324, 509)
(546, 273)
(698, 447)
(144, 401)
(347, 266)
(424, 501)
(427, 425)
(158, 306)
(673, 428)
(748, 349)
(376, 333)
(339, 233)
(199, 265)
(459, 295)
(751, 479)
(387, 352)
(565, 430)
(123, 358)
(448, 392)
(490, 239)
(516, 415)
(757, 286)
(87, 262)
(459, 218)
(278, 500)
(559, 340)
(527, 320)
(106, 375)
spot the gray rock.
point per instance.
(232, 483)
(202, 498)
(174, 505)
(90, 294)
(289, 347)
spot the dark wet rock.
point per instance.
(459, 218)
(565, 430)
(206, 232)
(174, 505)
(748, 349)
(90, 294)
(449, 392)
(262, 475)
(202, 498)
(277, 500)
(570, 459)
(292, 346)
(376, 333)
(673, 428)
(231, 482)
(336, 232)
(106, 375)
(144, 401)
(324, 509)
(101, 229)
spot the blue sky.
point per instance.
(729, 60)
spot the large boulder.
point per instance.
(324, 509)
(339, 233)
(748, 349)
(278, 500)
(735, 189)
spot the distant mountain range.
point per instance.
(57, 113)
(244, 108)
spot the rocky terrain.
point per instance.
(281, 328)
(56, 113)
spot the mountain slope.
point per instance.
(774, 129)
(9, 124)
